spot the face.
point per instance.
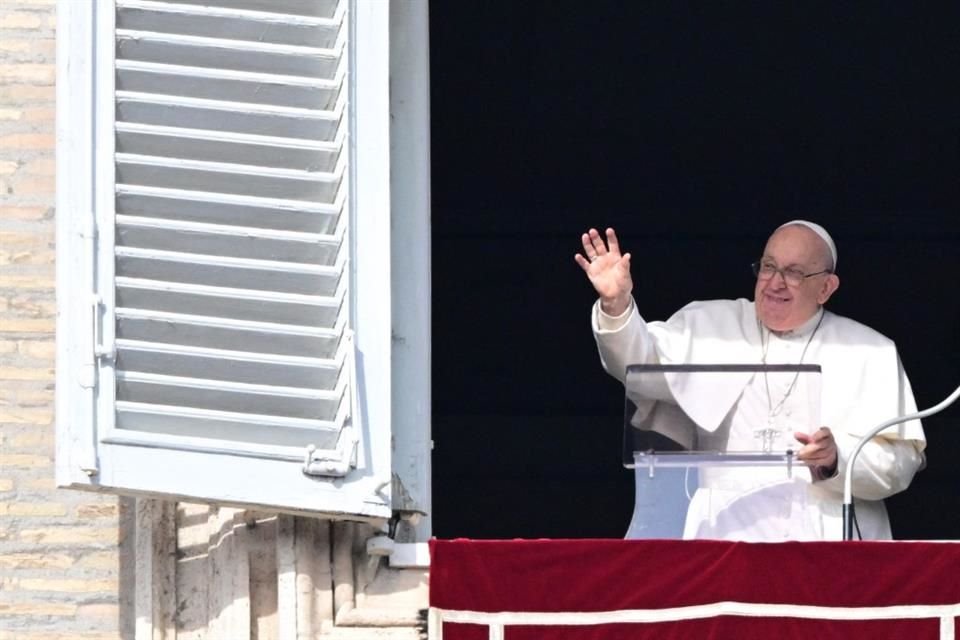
(783, 307)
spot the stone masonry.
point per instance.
(59, 550)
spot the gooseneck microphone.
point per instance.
(848, 514)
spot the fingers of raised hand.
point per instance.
(612, 241)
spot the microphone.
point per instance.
(848, 478)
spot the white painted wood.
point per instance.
(185, 19)
(75, 374)
(242, 481)
(104, 210)
(228, 208)
(138, 77)
(315, 8)
(410, 191)
(371, 303)
(135, 138)
(163, 201)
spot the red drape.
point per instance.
(619, 575)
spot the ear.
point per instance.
(830, 284)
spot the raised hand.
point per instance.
(607, 269)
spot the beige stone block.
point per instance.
(39, 349)
(39, 280)
(38, 484)
(87, 511)
(32, 185)
(26, 49)
(36, 561)
(21, 20)
(105, 560)
(38, 441)
(23, 460)
(42, 417)
(44, 166)
(25, 213)
(30, 398)
(16, 94)
(32, 307)
(61, 635)
(103, 611)
(26, 325)
(41, 114)
(16, 45)
(68, 535)
(6, 484)
(22, 239)
(27, 140)
(8, 167)
(30, 73)
(34, 509)
(64, 635)
(57, 609)
(7, 347)
(68, 586)
(27, 257)
(8, 115)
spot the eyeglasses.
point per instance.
(794, 277)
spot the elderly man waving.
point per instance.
(863, 384)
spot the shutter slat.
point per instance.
(243, 367)
(167, 111)
(286, 250)
(314, 8)
(160, 17)
(213, 333)
(237, 179)
(226, 85)
(267, 234)
(236, 55)
(242, 304)
(187, 269)
(220, 147)
(225, 208)
(223, 425)
(204, 394)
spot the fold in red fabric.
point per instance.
(618, 575)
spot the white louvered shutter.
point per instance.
(224, 249)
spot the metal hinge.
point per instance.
(333, 462)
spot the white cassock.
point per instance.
(862, 384)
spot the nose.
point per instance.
(783, 279)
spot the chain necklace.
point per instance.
(774, 411)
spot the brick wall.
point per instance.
(59, 550)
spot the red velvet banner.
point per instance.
(725, 589)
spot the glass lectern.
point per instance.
(712, 446)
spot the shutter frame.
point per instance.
(93, 452)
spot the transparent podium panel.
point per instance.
(713, 447)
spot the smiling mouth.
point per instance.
(776, 299)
